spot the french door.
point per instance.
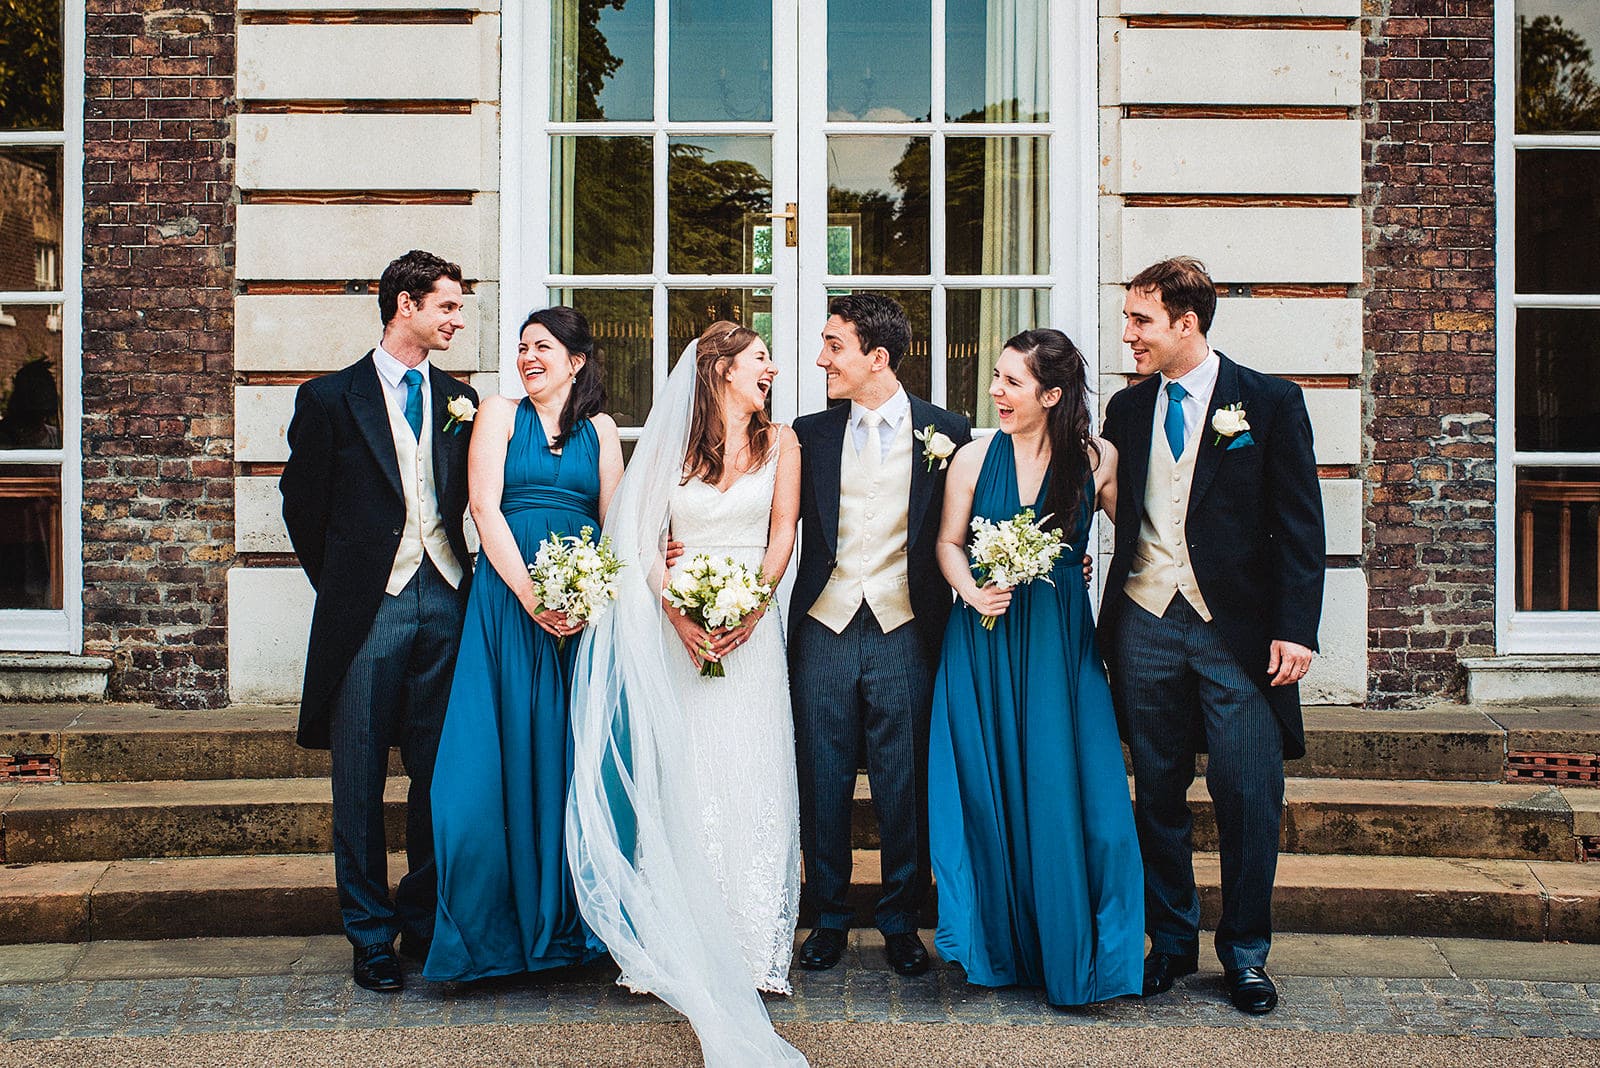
(673, 162)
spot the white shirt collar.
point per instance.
(1201, 379)
(893, 410)
(392, 370)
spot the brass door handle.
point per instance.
(791, 223)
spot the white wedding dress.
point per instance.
(741, 731)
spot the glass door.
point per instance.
(688, 160)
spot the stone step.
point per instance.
(129, 743)
(294, 895)
(116, 821)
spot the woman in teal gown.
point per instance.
(544, 464)
(1031, 828)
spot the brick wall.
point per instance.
(1428, 74)
(158, 346)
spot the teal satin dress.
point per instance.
(1031, 828)
(506, 903)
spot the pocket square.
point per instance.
(1241, 441)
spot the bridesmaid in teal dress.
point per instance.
(546, 463)
(1030, 825)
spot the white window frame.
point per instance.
(1518, 631)
(1073, 131)
(61, 630)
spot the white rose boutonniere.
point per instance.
(461, 411)
(937, 448)
(1229, 422)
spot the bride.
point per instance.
(682, 783)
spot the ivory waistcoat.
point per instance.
(1161, 567)
(424, 531)
(873, 522)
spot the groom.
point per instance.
(1210, 616)
(867, 617)
(373, 496)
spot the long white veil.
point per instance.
(633, 811)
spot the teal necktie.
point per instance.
(413, 381)
(1174, 421)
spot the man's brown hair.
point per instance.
(1184, 286)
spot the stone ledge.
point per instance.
(53, 677)
(1528, 679)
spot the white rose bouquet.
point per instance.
(575, 575)
(716, 593)
(1013, 552)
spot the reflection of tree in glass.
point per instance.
(1557, 90)
(30, 65)
(596, 61)
(614, 216)
(711, 203)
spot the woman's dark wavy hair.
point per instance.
(588, 396)
(1055, 362)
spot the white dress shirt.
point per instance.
(391, 372)
(891, 412)
(1198, 384)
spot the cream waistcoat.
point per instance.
(424, 530)
(874, 499)
(1161, 567)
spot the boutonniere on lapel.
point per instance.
(937, 448)
(461, 411)
(1230, 422)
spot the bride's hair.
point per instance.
(713, 354)
(1055, 363)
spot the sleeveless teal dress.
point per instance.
(506, 903)
(1030, 825)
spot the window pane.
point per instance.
(997, 61)
(997, 205)
(916, 367)
(1557, 88)
(880, 60)
(30, 70)
(602, 60)
(30, 218)
(721, 62)
(1558, 380)
(979, 321)
(30, 536)
(620, 319)
(1557, 539)
(878, 205)
(602, 209)
(719, 194)
(690, 311)
(1558, 215)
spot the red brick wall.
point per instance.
(158, 346)
(1428, 161)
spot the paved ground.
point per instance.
(1346, 1000)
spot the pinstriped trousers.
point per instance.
(394, 692)
(1177, 684)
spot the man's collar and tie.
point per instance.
(1181, 405)
(880, 423)
(405, 385)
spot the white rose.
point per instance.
(461, 409)
(1229, 422)
(940, 447)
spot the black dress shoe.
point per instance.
(906, 953)
(1251, 990)
(822, 949)
(1161, 970)
(415, 947)
(377, 968)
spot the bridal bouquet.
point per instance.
(1013, 552)
(716, 594)
(575, 575)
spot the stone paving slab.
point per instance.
(202, 986)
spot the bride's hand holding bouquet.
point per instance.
(713, 604)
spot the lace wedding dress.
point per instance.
(741, 732)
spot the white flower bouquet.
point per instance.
(1013, 552)
(575, 575)
(716, 593)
